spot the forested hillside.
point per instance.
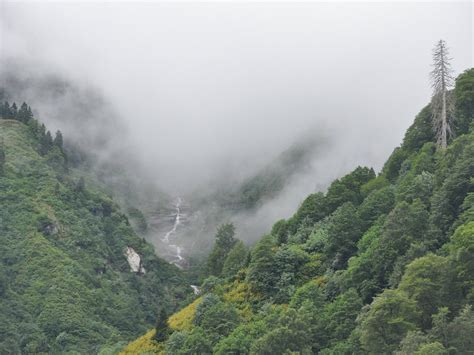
(270, 180)
(66, 283)
(379, 264)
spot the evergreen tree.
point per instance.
(6, 113)
(24, 114)
(235, 260)
(162, 329)
(80, 185)
(13, 111)
(41, 132)
(58, 140)
(4, 108)
(2, 157)
(30, 112)
(343, 233)
(46, 143)
(225, 241)
(262, 275)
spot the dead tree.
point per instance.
(441, 102)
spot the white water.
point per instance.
(166, 239)
(178, 258)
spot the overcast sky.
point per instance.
(205, 87)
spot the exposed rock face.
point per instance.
(196, 289)
(134, 261)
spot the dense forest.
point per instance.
(379, 264)
(66, 284)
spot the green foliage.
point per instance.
(2, 158)
(225, 241)
(309, 292)
(464, 100)
(460, 330)
(376, 265)
(348, 188)
(391, 168)
(193, 342)
(241, 338)
(137, 219)
(261, 275)
(162, 329)
(377, 203)
(288, 264)
(339, 317)
(434, 348)
(419, 187)
(412, 342)
(58, 140)
(461, 247)
(270, 181)
(344, 230)
(66, 284)
(447, 200)
(420, 132)
(406, 224)
(390, 317)
(289, 335)
(429, 281)
(218, 320)
(235, 260)
(360, 266)
(213, 320)
(312, 210)
(280, 231)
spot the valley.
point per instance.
(236, 178)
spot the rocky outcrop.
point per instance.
(134, 261)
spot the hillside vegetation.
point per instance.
(379, 264)
(65, 283)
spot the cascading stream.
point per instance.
(178, 258)
(166, 239)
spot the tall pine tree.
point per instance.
(24, 114)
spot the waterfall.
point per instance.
(166, 239)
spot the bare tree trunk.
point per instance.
(444, 122)
(441, 81)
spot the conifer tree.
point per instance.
(5, 110)
(4, 107)
(80, 185)
(58, 140)
(225, 241)
(24, 114)
(13, 111)
(441, 104)
(162, 330)
(2, 157)
(46, 143)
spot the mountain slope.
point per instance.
(232, 200)
(65, 282)
(379, 264)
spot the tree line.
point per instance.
(46, 143)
